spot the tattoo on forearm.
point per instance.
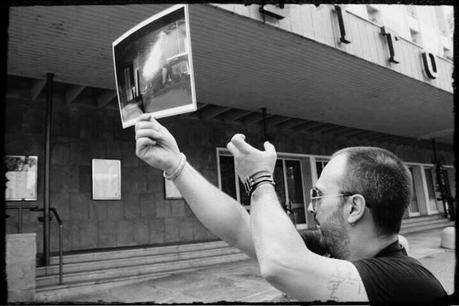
(338, 279)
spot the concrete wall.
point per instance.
(143, 216)
(20, 267)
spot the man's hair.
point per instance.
(383, 180)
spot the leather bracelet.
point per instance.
(259, 184)
(177, 171)
(254, 179)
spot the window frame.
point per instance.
(283, 157)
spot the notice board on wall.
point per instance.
(21, 178)
(106, 179)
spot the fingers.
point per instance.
(146, 121)
(269, 148)
(153, 134)
(144, 142)
(232, 148)
(239, 144)
(144, 117)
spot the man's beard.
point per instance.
(335, 236)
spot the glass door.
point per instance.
(431, 195)
(294, 182)
(413, 208)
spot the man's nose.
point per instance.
(310, 209)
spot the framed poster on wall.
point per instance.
(21, 178)
(106, 179)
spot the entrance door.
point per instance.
(413, 208)
(289, 188)
(294, 184)
(431, 196)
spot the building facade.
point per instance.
(327, 76)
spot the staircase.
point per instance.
(96, 271)
(423, 223)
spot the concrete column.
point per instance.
(20, 267)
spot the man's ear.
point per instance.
(356, 209)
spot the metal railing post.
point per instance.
(20, 218)
(46, 200)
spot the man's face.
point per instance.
(329, 210)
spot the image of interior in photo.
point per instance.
(153, 69)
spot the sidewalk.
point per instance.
(241, 281)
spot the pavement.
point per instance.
(241, 281)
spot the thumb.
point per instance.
(269, 147)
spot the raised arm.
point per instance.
(284, 259)
(217, 211)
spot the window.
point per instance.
(447, 53)
(373, 13)
(411, 10)
(415, 36)
(320, 165)
(288, 184)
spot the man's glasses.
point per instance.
(315, 197)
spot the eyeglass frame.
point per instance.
(314, 202)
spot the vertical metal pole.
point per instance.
(61, 255)
(265, 131)
(49, 111)
(20, 218)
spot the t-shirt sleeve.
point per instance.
(389, 279)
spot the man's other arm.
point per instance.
(217, 211)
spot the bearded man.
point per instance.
(358, 203)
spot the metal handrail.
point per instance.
(59, 221)
(61, 245)
(20, 207)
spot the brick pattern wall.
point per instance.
(143, 216)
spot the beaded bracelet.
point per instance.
(177, 171)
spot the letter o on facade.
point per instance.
(429, 60)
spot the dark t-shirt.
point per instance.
(393, 276)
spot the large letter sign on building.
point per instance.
(391, 41)
(430, 64)
(342, 27)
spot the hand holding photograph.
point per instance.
(153, 67)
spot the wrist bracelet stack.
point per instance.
(177, 171)
(256, 180)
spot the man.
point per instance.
(358, 202)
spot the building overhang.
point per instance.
(239, 63)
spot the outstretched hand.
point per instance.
(249, 160)
(155, 144)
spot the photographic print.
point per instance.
(153, 67)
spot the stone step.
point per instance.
(127, 253)
(65, 292)
(140, 259)
(426, 226)
(426, 222)
(422, 219)
(76, 279)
